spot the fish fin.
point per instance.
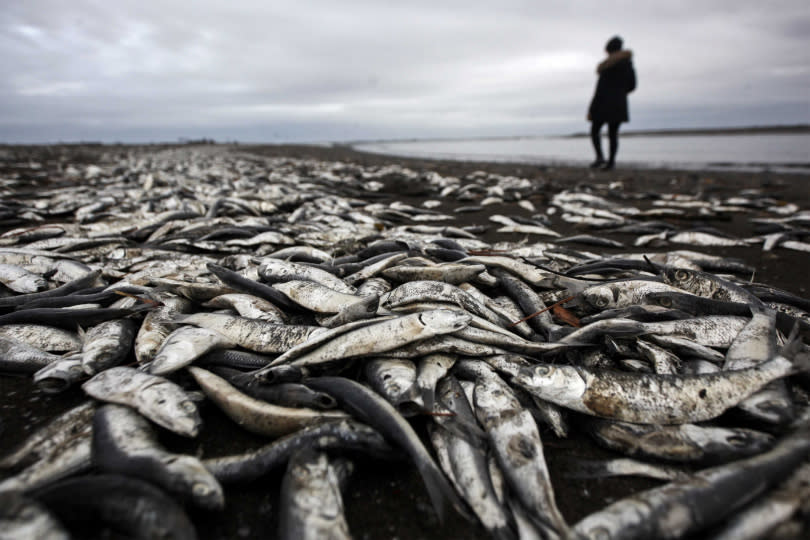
(793, 344)
(655, 268)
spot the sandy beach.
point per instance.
(387, 500)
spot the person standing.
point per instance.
(617, 78)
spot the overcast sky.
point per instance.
(337, 70)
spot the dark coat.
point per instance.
(617, 78)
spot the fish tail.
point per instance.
(794, 345)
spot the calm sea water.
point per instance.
(777, 152)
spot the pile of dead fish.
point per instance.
(291, 296)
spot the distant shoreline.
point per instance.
(793, 129)
(742, 130)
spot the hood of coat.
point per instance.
(613, 59)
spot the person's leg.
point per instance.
(596, 139)
(613, 137)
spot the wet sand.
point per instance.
(387, 500)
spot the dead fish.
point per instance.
(287, 394)
(466, 462)
(429, 370)
(754, 344)
(125, 443)
(381, 415)
(157, 398)
(593, 468)
(435, 291)
(44, 441)
(276, 271)
(681, 443)
(249, 306)
(515, 441)
(71, 456)
(254, 415)
(23, 517)
(384, 336)
(346, 435)
(762, 517)
(622, 293)
(452, 273)
(156, 326)
(395, 380)
(316, 297)
(60, 375)
(107, 344)
(76, 285)
(710, 331)
(43, 337)
(311, 500)
(20, 280)
(126, 505)
(649, 398)
(708, 285)
(18, 357)
(184, 346)
(687, 506)
(252, 334)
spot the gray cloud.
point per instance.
(319, 70)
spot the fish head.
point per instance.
(191, 478)
(679, 277)
(559, 384)
(599, 297)
(59, 375)
(170, 407)
(740, 441)
(445, 320)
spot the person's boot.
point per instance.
(598, 164)
(608, 165)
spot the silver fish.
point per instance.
(395, 380)
(157, 398)
(316, 297)
(311, 502)
(516, 442)
(252, 334)
(687, 506)
(20, 280)
(649, 398)
(107, 344)
(255, 415)
(125, 443)
(681, 443)
(24, 517)
(385, 336)
(43, 337)
(184, 346)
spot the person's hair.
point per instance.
(615, 44)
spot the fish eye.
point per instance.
(188, 406)
(200, 489)
(681, 275)
(542, 370)
(665, 301)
